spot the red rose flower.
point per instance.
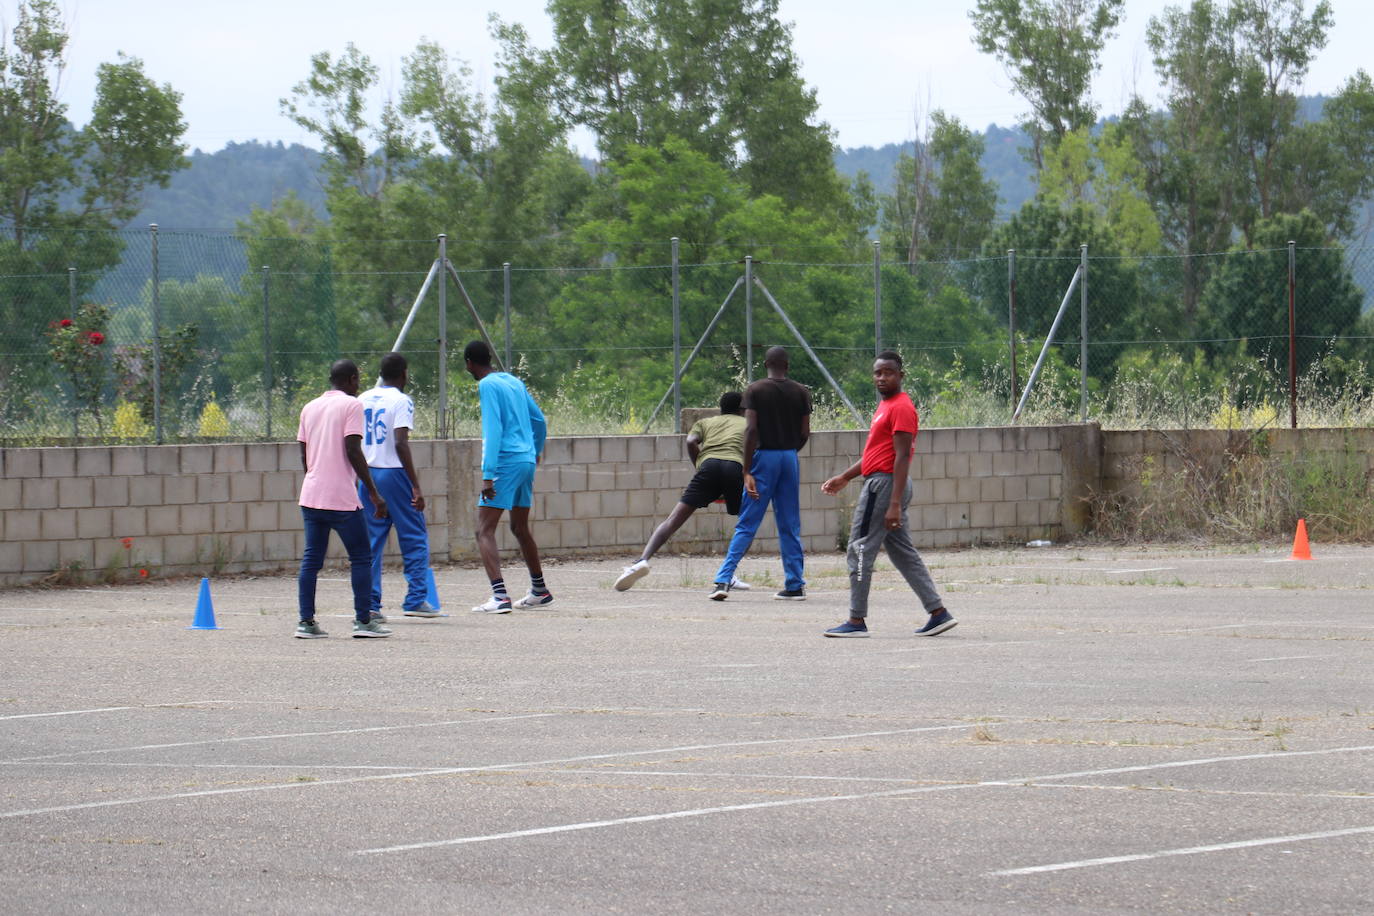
(65, 322)
(127, 542)
(143, 573)
(96, 338)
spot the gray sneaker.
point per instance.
(372, 629)
(378, 617)
(309, 629)
(720, 591)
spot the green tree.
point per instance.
(439, 159)
(719, 73)
(1050, 50)
(1247, 298)
(1230, 149)
(1103, 173)
(56, 177)
(302, 327)
(1047, 237)
(942, 206)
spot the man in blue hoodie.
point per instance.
(513, 431)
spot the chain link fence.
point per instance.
(176, 336)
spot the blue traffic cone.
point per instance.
(205, 609)
(432, 596)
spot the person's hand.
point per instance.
(489, 489)
(834, 484)
(417, 499)
(750, 486)
(378, 506)
(892, 518)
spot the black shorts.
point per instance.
(716, 479)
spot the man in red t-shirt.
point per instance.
(880, 518)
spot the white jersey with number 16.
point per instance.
(385, 409)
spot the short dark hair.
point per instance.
(478, 352)
(892, 355)
(730, 402)
(342, 371)
(393, 367)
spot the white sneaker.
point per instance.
(533, 600)
(632, 574)
(493, 607)
(739, 585)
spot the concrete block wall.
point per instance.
(192, 508)
(1165, 454)
(186, 508)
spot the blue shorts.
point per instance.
(514, 486)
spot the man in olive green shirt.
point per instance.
(716, 447)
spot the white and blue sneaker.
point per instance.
(535, 599)
(493, 605)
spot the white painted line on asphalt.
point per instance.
(1185, 851)
(823, 799)
(340, 731)
(1287, 658)
(641, 819)
(82, 712)
(450, 771)
(206, 766)
(1175, 764)
(1142, 569)
(68, 712)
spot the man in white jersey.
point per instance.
(388, 417)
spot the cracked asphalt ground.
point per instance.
(1175, 729)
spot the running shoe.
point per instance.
(791, 594)
(938, 623)
(535, 600)
(309, 629)
(850, 630)
(720, 591)
(370, 630)
(632, 574)
(493, 606)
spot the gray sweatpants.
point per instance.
(868, 533)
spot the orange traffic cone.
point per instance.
(1300, 549)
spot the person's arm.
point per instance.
(539, 427)
(837, 483)
(805, 431)
(694, 444)
(751, 439)
(901, 469)
(487, 400)
(304, 467)
(353, 448)
(417, 498)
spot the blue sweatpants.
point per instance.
(777, 476)
(411, 536)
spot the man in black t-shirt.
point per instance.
(777, 415)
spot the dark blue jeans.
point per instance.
(352, 528)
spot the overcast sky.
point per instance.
(870, 61)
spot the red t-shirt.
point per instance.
(894, 415)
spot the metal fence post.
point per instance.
(677, 338)
(1292, 334)
(748, 320)
(267, 348)
(1011, 321)
(877, 298)
(1083, 339)
(443, 336)
(71, 305)
(157, 341)
(505, 276)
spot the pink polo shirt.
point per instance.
(329, 479)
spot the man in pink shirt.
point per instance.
(331, 437)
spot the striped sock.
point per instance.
(498, 589)
(537, 585)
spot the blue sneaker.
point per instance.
(424, 610)
(851, 630)
(938, 623)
